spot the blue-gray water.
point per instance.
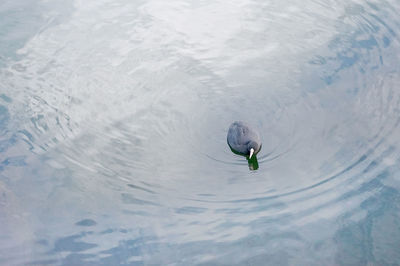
(113, 122)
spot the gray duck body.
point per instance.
(242, 138)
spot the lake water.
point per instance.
(113, 122)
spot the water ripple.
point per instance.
(113, 124)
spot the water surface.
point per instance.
(113, 122)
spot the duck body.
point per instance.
(243, 139)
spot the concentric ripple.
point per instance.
(113, 122)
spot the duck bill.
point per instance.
(251, 153)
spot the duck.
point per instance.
(244, 139)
